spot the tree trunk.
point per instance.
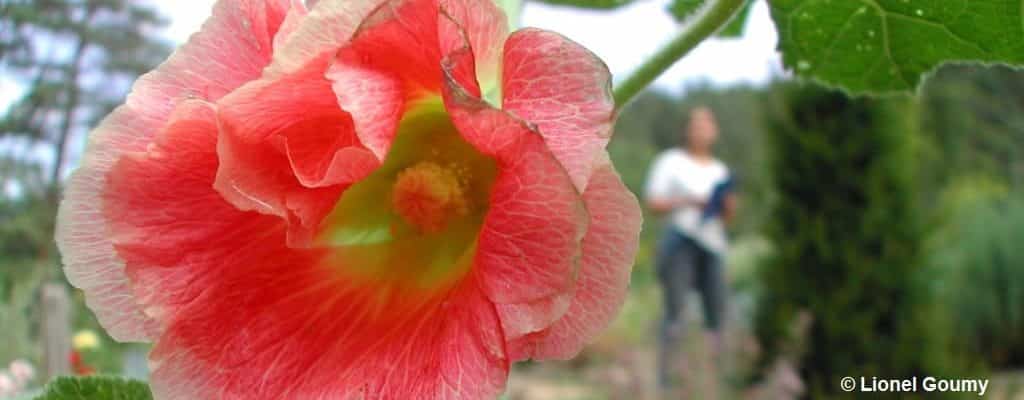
(68, 121)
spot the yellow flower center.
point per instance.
(428, 195)
(416, 218)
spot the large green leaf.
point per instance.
(888, 45)
(95, 388)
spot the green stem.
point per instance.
(706, 24)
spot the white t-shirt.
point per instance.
(675, 173)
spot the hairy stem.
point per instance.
(710, 20)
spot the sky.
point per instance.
(750, 59)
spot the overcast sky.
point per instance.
(623, 38)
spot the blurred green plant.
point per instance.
(848, 242)
(95, 388)
(19, 283)
(983, 279)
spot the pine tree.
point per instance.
(76, 60)
(848, 242)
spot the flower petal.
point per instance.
(565, 90)
(328, 26)
(609, 248)
(393, 58)
(166, 219)
(309, 334)
(232, 48)
(486, 28)
(374, 99)
(290, 23)
(287, 149)
(528, 248)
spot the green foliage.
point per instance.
(973, 119)
(983, 279)
(19, 282)
(95, 388)
(888, 45)
(25, 240)
(847, 242)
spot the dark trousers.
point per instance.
(682, 264)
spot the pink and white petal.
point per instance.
(375, 99)
(401, 38)
(287, 149)
(231, 49)
(609, 248)
(312, 334)
(486, 28)
(529, 244)
(458, 65)
(329, 25)
(393, 59)
(165, 216)
(528, 248)
(291, 22)
(565, 90)
(522, 319)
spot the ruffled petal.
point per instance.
(327, 27)
(565, 90)
(375, 100)
(393, 59)
(485, 27)
(231, 49)
(528, 248)
(609, 250)
(166, 219)
(287, 149)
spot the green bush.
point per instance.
(983, 279)
(847, 242)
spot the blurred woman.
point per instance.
(692, 191)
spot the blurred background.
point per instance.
(875, 237)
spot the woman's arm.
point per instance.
(729, 209)
(662, 205)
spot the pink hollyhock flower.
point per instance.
(363, 200)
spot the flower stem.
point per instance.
(712, 17)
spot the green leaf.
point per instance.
(735, 27)
(682, 10)
(596, 4)
(95, 388)
(881, 46)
